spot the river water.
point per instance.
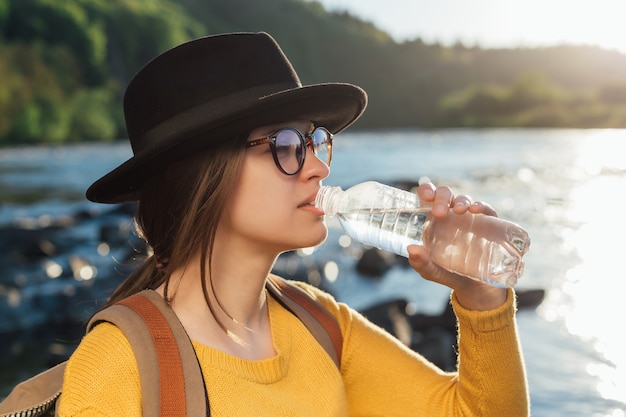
(566, 187)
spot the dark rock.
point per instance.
(374, 263)
(433, 336)
(406, 185)
(24, 246)
(530, 298)
(438, 345)
(445, 320)
(390, 315)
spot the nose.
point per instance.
(314, 167)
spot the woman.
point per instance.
(224, 170)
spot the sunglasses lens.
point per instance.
(289, 150)
(289, 147)
(322, 144)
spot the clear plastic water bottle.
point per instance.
(481, 247)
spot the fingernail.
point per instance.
(440, 208)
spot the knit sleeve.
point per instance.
(101, 378)
(492, 377)
(384, 378)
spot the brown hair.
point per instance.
(178, 214)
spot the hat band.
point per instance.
(189, 121)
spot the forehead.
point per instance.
(302, 125)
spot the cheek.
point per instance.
(254, 208)
(256, 198)
(262, 208)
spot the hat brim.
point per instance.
(334, 106)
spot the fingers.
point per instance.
(461, 204)
(482, 208)
(426, 192)
(421, 262)
(471, 294)
(439, 198)
(442, 198)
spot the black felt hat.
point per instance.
(208, 90)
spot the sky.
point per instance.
(496, 23)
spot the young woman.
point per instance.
(229, 152)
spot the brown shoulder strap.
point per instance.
(157, 337)
(36, 395)
(317, 319)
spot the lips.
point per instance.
(309, 202)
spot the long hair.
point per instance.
(178, 214)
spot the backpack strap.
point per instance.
(157, 337)
(317, 319)
(35, 396)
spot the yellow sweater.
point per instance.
(379, 376)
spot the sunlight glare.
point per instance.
(604, 151)
(494, 23)
(587, 300)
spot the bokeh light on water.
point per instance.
(589, 300)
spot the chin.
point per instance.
(315, 239)
(322, 236)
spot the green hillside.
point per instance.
(64, 65)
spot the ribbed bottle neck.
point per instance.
(326, 199)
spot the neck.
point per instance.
(242, 307)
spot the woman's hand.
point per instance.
(472, 294)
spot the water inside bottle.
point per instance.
(478, 253)
(391, 230)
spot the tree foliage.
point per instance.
(64, 65)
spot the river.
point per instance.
(566, 187)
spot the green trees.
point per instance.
(53, 52)
(64, 65)
(533, 101)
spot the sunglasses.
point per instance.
(289, 146)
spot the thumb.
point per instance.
(421, 262)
